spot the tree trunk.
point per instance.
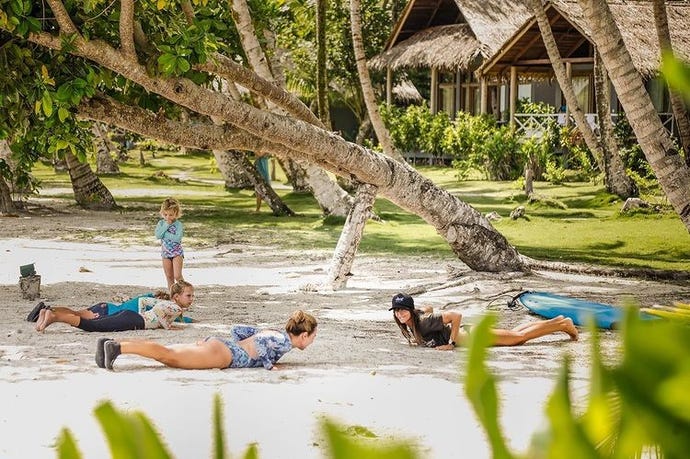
(6, 204)
(321, 61)
(89, 191)
(344, 255)
(331, 198)
(678, 105)
(529, 178)
(262, 189)
(367, 89)
(105, 164)
(564, 82)
(296, 175)
(233, 173)
(617, 181)
(671, 171)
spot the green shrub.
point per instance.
(477, 142)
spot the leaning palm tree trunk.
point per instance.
(365, 81)
(618, 182)
(89, 191)
(339, 270)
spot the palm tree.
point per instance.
(671, 171)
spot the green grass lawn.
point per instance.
(574, 221)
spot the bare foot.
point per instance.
(89, 315)
(44, 320)
(39, 320)
(571, 329)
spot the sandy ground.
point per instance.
(359, 371)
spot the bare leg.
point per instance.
(258, 203)
(177, 268)
(168, 271)
(83, 313)
(47, 317)
(524, 333)
(526, 325)
(199, 356)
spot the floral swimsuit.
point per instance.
(269, 347)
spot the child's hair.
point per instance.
(178, 287)
(171, 205)
(161, 295)
(300, 322)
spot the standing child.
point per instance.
(170, 230)
(261, 164)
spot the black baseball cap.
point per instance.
(402, 301)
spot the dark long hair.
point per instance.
(411, 334)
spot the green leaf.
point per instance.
(130, 435)
(61, 145)
(63, 114)
(183, 65)
(67, 446)
(47, 103)
(677, 74)
(568, 436)
(219, 451)
(166, 63)
(344, 446)
(64, 92)
(480, 387)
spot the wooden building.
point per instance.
(450, 39)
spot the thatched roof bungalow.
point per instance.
(522, 58)
(451, 38)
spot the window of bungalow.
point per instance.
(447, 84)
(658, 92)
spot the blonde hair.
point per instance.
(178, 287)
(300, 322)
(171, 205)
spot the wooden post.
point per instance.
(569, 73)
(457, 98)
(434, 90)
(513, 95)
(30, 286)
(483, 95)
(468, 93)
(389, 86)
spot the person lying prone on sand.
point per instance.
(105, 308)
(151, 313)
(443, 331)
(246, 347)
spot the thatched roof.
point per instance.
(635, 19)
(406, 92)
(446, 47)
(449, 34)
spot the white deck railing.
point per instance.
(535, 125)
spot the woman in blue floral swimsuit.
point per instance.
(245, 348)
